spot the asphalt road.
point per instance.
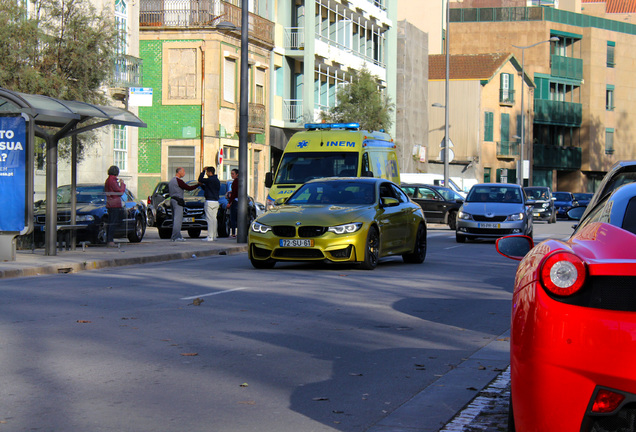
(297, 348)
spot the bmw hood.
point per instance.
(319, 215)
(492, 208)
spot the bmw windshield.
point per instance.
(334, 192)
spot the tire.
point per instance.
(165, 233)
(511, 417)
(371, 250)
(418, 255)
(263, 264)
(554, 217)
(460, 238)
(138, 234)
(221, 223)
(194, 232)
(452, 220)
(151, 218)
(100, 237)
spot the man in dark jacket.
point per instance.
(114, 189)
(211, 187)
(176, 186)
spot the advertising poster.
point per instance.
(12, 173)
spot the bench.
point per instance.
(67, 233)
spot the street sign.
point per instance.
(451, 153)
(140, 96)
(219, 157)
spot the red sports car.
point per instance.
(573, 329)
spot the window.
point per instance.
(487, 175)
(609, 98)
(182, 70)
(184, 157)
(506, 89)
(120, 147)
(121, 21)
(489, 126)
(259, 96)
(609, 141)
(230, 161)
(229, 80)
(610, 54)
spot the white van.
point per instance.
(430, 178)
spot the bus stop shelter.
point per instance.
(51, 120)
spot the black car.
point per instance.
(194, 213)
(543, 203)
(563, 202)
(440, 204)
(91, 211)
(159, 194)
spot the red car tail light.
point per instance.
(606, 401)
(563, 273)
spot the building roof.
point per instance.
(616, 6)
(470, 66)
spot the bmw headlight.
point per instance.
(346, 228)
(464, 216)
(84, 218)
(515, 217)
(260, 228)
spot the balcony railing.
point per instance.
(506, 96)
(507, 149)
(558, 113)
(294, 38)
(127, 71)
(567, 67)
(293, 110)
(202, 13)
(556, 157)
(256, 118)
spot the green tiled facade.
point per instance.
(164, 122)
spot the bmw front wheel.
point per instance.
(371, 250)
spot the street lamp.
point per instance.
(446, 92)
(523, 117)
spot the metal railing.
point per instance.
(558, 113)
(293, 110)
(506, 96)
(566, 67)
(201, 13)
(294, 38)
(127, 71)
(507, 149)
(256, 117)
(556, 157)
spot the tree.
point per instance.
(362, 102)
(59, 48)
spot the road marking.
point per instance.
(211, 294)
(453, 247)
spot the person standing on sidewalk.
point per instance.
(232, 202)
(211, 187)
(176, 186)
(114, 189)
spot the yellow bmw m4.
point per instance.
(356, 220)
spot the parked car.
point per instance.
(91, 211)
(340, 220)
(494, 210)
(621, 173)
(440, 204)
(543, 203)
(159, 194)
(583, 199)
(563, 202)
(572, 345)
(194, 213)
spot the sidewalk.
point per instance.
(35, 263)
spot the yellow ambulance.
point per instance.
(332, 150)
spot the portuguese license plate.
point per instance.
(489, 225)
(188, 219)
(296, 243)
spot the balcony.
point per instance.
(294, 38)
(507, 149)
(256, 118)
(506, 97)
(204, 14)
(556, 157)
(566, 67)
(558, 113)
(293, 110)
(127, 72)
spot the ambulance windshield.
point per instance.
(298, 168)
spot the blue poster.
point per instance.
(12, 173)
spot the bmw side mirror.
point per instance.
(389, 202)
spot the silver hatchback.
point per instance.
(494, 210)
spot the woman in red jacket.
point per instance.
(114, 189)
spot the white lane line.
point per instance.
(212, 293)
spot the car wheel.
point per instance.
(138, 233)
(459, 238)
(220, 219)
(452, 220)
(151, 218)
(554, 217)
(511, 417)
(165, 233)
(371, 250)
(194, 232)
(101, 236)
(419, 249)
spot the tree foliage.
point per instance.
(361, 102)
(60, 48)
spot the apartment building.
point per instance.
(318, 44)
(193, 66)
(579, 120)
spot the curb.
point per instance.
(95, 264)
